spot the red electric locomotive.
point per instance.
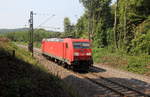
(73, 52)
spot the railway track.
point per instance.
(114, 89)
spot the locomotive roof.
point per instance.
(61, 40)
(54, 39)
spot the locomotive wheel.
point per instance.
(59, 62)
(64, 65)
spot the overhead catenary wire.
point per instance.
(45, 21)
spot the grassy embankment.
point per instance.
(23, 76)
(137, 64)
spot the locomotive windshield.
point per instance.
(81, 45)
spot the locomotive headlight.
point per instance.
(76, 54)
(88, 54)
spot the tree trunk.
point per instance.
(115, 25)
(93, 25)
(125, 22)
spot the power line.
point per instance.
(44, 14)
(45, 21)
(50, 27)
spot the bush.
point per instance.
(138, 64)
(141, 43)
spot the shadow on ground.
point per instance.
(91, 69)
(21, 79)
(97, 70)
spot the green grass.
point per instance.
(23, 43)
(137, 64)
(23, 76)
(37, 44)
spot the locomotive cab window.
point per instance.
(81, 45)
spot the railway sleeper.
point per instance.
(123, 90)
(114, 86)
(131, 94)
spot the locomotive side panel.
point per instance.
(53, 49)
(68, 51)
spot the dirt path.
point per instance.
(122, 74)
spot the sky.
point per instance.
(15, 13)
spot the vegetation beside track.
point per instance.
(138, 64)
(23, 76)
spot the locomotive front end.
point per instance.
(82, 54)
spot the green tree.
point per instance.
(69, 28)
(100, 20)
(67, 25)
(81, 26)
(131, 14)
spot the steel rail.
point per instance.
(121, 85)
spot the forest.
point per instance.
(120, 31)
(124, 25)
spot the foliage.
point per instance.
(138, 64)
(132, 19)
(141, 42)
(81, 26)
(67, 24)
(68, 27)
(99, 16)
(39, 34)
(131, 13)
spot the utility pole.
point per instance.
(31, 30)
